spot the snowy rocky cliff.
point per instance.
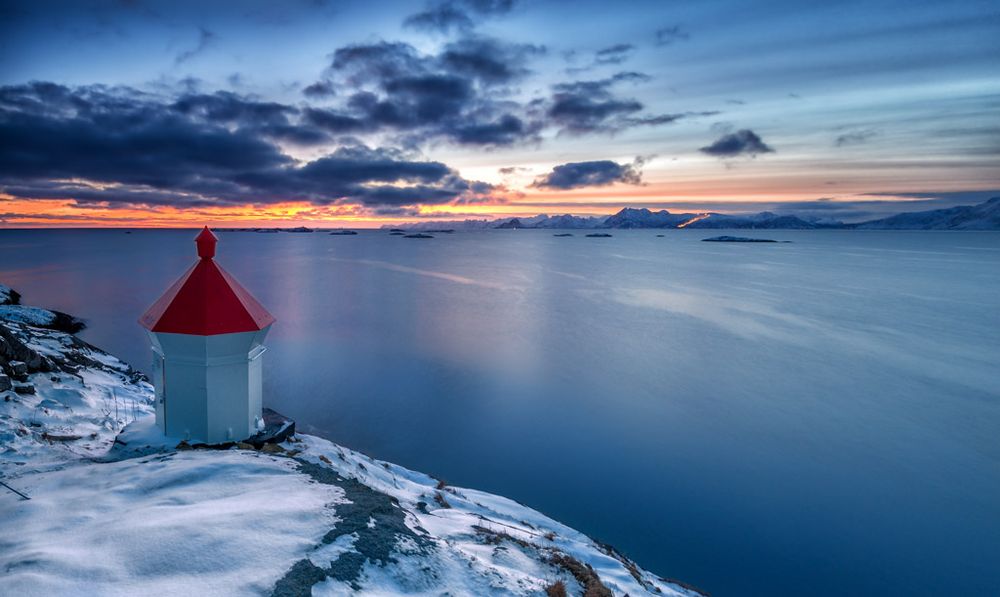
(117, 509)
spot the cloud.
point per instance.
(509, 170)
(266, 119)
(489, 60)
(581, 107)
(615, 54)
(598, 173)
(609, 56)
(319, 90)
(670, 35)
(457, 95)
(113, 146)
(456, 15)
(206, 39)
(742, 142)
(854, 137)
(466, 94)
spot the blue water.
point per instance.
(813, 418)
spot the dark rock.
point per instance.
(66, 323)
(299, 580)
(13, 349)
(24, 388)
(564, 234)
(12, 297)
(599, 235)
(375, 544)
(397, 230)
(60, 438)
(277, 428)
(5, 383)
(418, 235)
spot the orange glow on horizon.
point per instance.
(59, 213)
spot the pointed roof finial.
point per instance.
(206, 243)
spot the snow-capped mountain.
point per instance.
(643, 218)
(985, 216)
(762, 220)
(116, 508)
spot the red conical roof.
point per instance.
(206, 300)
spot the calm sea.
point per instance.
(813, 418)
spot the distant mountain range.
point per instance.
(984, 216)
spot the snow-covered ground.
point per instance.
(35, 316)
(142, 516)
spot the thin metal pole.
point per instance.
(14, 490)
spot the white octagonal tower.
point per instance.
(207, 335)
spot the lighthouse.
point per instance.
(207, 335)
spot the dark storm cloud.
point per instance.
(228, 107)
(742, 142)
(506, 130)
(484, 60)
(334, 122)
(319, 90)
(266, 119)
(456, 15)
(591, 106)
(457, 95)
(97, 145)
(587, 106)
(488, 59)
(464, 94)
(118, 136)
(88, 196)
(590, 174)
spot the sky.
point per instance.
(353, 113)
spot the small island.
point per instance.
(564, 234)
(599, 235)
(418, 235)
(343, 233)
(741, 239)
